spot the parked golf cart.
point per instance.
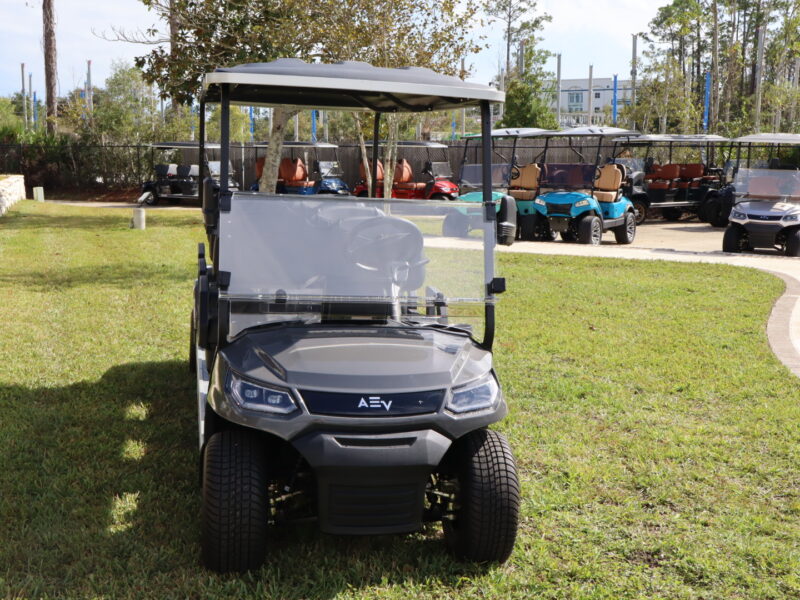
(341, 371)
(176, 175)
(434, 179)
(582, 200)
(674, 188)
(766, 205)
(504, 170)
(294, 176)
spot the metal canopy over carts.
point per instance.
(310, 168)
(688, 184)
(764, 195)
(336, 342)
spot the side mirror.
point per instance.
(507, 221)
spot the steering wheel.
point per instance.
(388, 246)
(515, 172)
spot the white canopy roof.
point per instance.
(594, 132)
(674, 138)
(346, 85)
(791, 139)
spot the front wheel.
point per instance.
(590, 230)
(484, 527)
(455, 225)
(640, 209)
(568, 236)
(626, 233)
(148, 199)
(793, 243)
(235, 510)
(735, 239)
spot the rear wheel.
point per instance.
(526, 225)
(793, 243)
(626, 233)
(590, 230)
(484, 526)
(735, 239)
(149, 199)
(671, 214)
(455, 225)
(640, 209)
(235, 509)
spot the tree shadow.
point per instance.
(117, 274)
(111, 219)
(99, 496)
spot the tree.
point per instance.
(50, 66)
(519, 22)
(528, 91)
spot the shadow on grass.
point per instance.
(111, 219)
(123, 275)
(99, 497)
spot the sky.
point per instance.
(583, 31)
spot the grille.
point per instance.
(558, 209)
(764, 217)
(372, 405)
(385, 506)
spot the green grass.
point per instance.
(656, 434)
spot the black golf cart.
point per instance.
(673, 173)
(343, 346)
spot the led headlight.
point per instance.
(539, 201)
(255, 397)
(735, 214)
(584, 202)
(794, 217)
(477, 395)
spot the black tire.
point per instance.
(793, 243)
(526, 225)
(718, 215)
(235, 509)
(640, 209)
(192, 346)
(569, 236)
(486, 520)
(149, 199)
(590, 230)
(626, 233)
(455, 225)
(735, 239)
(671, 214)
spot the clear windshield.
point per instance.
(768, 184)
(442, 170)
(348, 259)
(472, 176)
(631, 165)
(329, 168)
(567, 176)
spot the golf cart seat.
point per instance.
(172, 170)
(194, 171)
(293, 173)
(527, 182)
(691, 175)
(378, 174)
(161, 170)
(662, 177)
(608, 183)
(404, 176)
(183, 171)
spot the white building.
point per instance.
(576, 98)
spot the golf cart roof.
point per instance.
(174, 145)
(594, 132)
(673, 138)
(789, 139)
(420, 144)
(521, 132)
(348, 85)
(292, 144)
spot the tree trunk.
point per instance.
(390, 154)
(363, 148)
(50, 66)
(269, 176)
(714, 67)
(174, 32)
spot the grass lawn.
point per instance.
(656, 434)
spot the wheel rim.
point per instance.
(630, 227)
(596, 232)
(640, 212)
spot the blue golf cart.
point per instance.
(582, 200)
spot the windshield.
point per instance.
(472, 176)
(768, 184)
(347, 259)
(329, 168)
(441, 169)
(631, 164)
(567, 176)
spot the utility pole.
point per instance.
(591, 96)
(24, 99)
(521, 59)
(297, 127)
(463, 110)
(762, 30)
(89, 90)
(558, 88)
(796, 87)
(614, 103)
(30, 97)
(633, 70)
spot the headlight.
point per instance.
(255, 397)
(582, 203)
(735, 214)
(475, 396)
(539, 201)
(794, 217)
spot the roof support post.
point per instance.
(376, 126)
(224, 136)
(202, 157)
(490, 235)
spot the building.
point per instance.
(576, 97)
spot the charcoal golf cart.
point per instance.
(176, 173)
(432, 179)
(582, 200)
(309, 168)
(343, 347)
(766, 197)
(675, 174)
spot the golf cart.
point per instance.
(343, 356)
(437, 174)
(582, 200)
(176, 176)
(503, 170)
(294, 177)
(656, 181)
(766, 205)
